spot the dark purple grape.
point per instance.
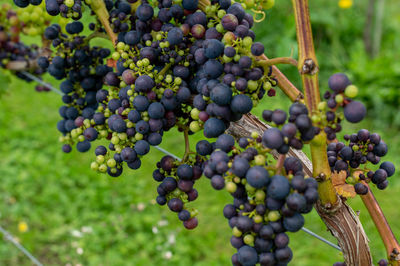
(247, 255)
(361, 189)
(279, 187)
(388, 167)
(257, 177)
(294, 223)
(338, 82)
(355, 111)
(272, 138)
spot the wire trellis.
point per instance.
(9, 237)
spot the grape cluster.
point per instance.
(362, 148)
(34, 19)
(195, 71)
(12, 50)
(176, 187)
(121, 16)
(340, 95)
(65, 8)
(268, 201)
(83, 69)
(294, 133)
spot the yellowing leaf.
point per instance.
(340, 185)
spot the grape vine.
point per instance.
(196, 66)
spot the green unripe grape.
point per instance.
(268, 4)
(247, 41)
(227, 59)
(260, 159)
(252, 85)
(351, 180)
(115, 140)
(231, 187)
(274, 216)
(115, 56)
(236, 232)
(103, 168)
(194, 126)
(315, 118)
(111, 163)
(219, 28)
(339, 98)
(260, 195)
(254, 134)
(120, 46)
(258, 219)
(248, 239)
(221, 13)
(267, 85)
(236, 57)
(94, 166)
(69, 3)
(249, 188)
(195, 113)
(100, 159)
(122, 136)
(322, 106)
(81, 138)
(351, 91)
(178, 81)
(138, 136)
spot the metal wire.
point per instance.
(10, 238)
(167, 152)
(308, 231)
(321, 238)
(29, 75)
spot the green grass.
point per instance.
(57, 194)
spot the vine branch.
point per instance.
(99, 8)
(386, 233)
(353, 241)
(278, 60)
(308, 68)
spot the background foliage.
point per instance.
(77, 217)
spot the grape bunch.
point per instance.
(269, 200)
(362, 148)
(298, 130)
(121, 17)
(83, 69)
(176, 186)
(197, 71)
(34, 19)
(65, 8)
(13, 52)
(341, 94)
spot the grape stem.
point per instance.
(97, 34)
(386, 233)
(279, 60)
(279, 163)
(308, 68)
(187, 145)
(99, 8)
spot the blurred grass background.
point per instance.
(77, 217)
